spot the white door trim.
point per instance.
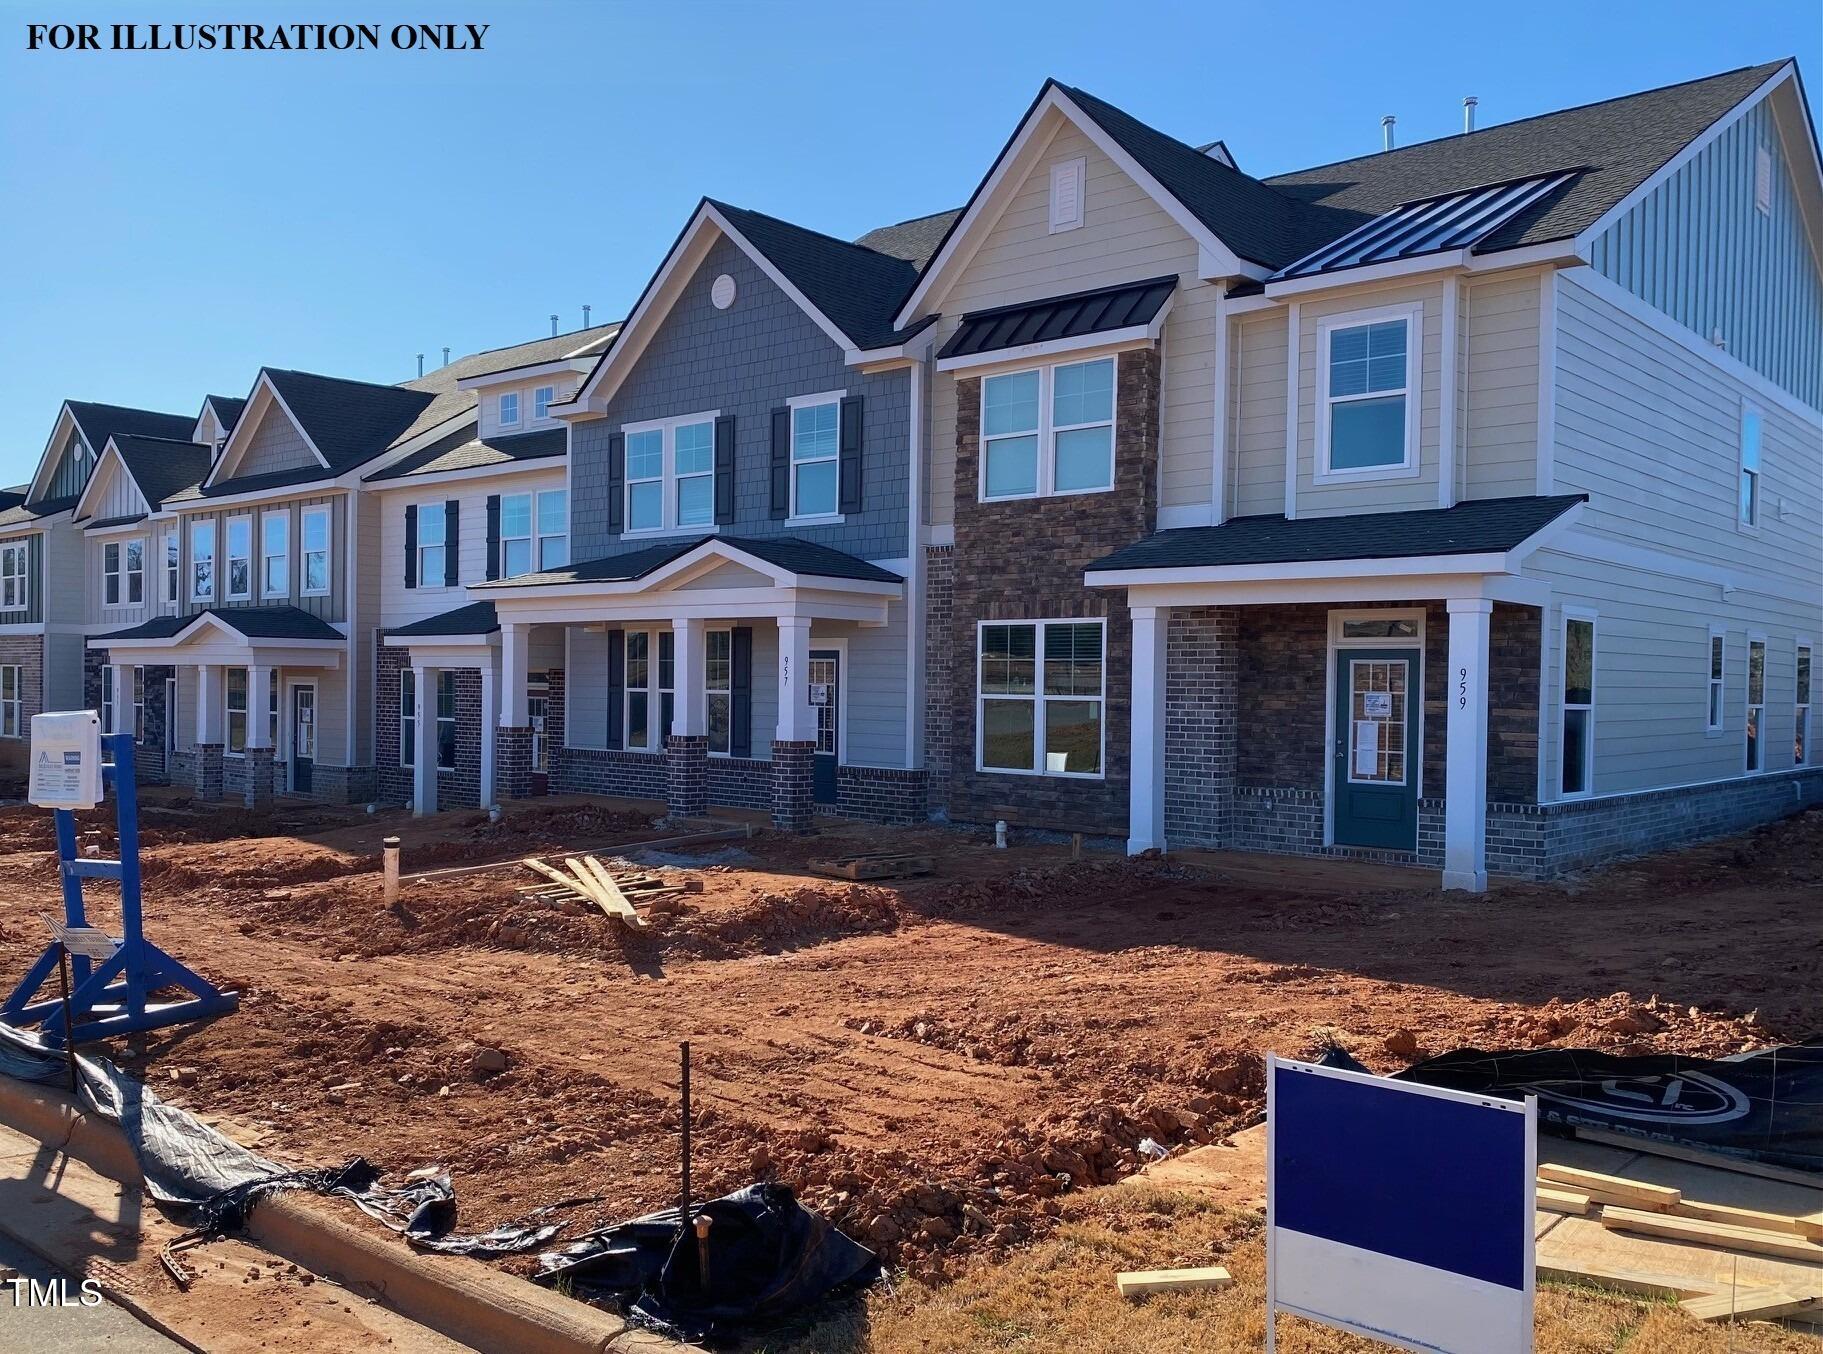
(1337, 643)
(288, 715)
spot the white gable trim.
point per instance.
(1009, 174)
(693, 563)
(252, 416)
(47, 458)
(110, 455)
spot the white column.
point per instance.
(1465, 779)
(208, 703)
(490, 721)
(424, 747)
(1146, 793)
(259, 681)
(797, 721)
(123, 699)
(515, 672)
(689, 642)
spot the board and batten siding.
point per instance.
(331, 607)
(100, 615)
(74, 461)
(1700, 250)
(33, 610)
(1125, 237)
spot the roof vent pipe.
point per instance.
(420, 364)
(446, 357)
(553, 326)
(585, 316)
(1386, 130)
(1468, 113)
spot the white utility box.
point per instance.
(66, 760)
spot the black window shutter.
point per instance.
(740, 692)
(617, 481)
(724, 469)
(617, 685)
(493, 536)
(452, 542)
(781, 464)
(850, 472)
(411, 546)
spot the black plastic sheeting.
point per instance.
(768, 1256)
(1765, 1106)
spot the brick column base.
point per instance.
(512, 762)
(208, 770)
(793, 769)
(687, 775)
(258, 794)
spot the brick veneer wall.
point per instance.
(793, 779)
(392, 783)
(609, 771)
(1024, 560)
(150, 754)
(1201, 724)
(880, 794)
(939, 672)
(27, 652)
(740, 783)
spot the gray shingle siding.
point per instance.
(746, 361)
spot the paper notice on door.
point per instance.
(1377, 704)
(1367, 748)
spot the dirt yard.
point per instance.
(934, 1063)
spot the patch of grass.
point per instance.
(1058, 1297)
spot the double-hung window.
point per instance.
(315, 530)
(1576, 744)
(1756, 702)
(1800, 743)
(408, 717)
(202, 561)
(173, 567)
(1049, 431)
(650, 689)
(718, 688)
(534, 532)
(240, 557)
(670, 474)
(11, 722)
(136, 570)
(139, 705)
(1040, 697)
(509, 409)
(431, 537)
(14, 594)
(1718, 653)
(236, 707)
(541, 402)
(515, 535)
(275, 554)
(1367, 397)
(110, 573)
(107, 700)
(553, 528)
(1753, 425)
(815, 448)
(123, 572)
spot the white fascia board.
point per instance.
(692, 604)
(108, 453)
(1338, 591)
(1546, 534)
(65, 422)
(505, 470)
(510, 375)
(1111, 340)
(449, 651)
(1561, 252)
(254, 497)
(894, 356)
(1339, 572)
(236, 445)
(1586, 237)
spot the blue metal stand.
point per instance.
(112, 996)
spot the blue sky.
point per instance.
(172, 221)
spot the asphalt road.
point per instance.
(64, 1330)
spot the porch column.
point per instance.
(687, 749)
(123, 699)
(1146, 792)
(490, 723)
(258, 791)
(1465, 779)
(794, 745)
(424, 742)
(208, 731)
(510, 731)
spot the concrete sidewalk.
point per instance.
(74, 1329)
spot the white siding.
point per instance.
(563, 385)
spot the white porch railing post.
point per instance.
(424, 741)
(797, 720)
(689, 641)
(1146, 799)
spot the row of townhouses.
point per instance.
(1460, 504)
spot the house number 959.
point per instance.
(1462, 688)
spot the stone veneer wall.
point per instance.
(1024, 560)
(27, 653)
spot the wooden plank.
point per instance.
(559, 876)
(1639, 1282)
(1750, 1304)
(455, 871)
(873, 867)
(1610, 1189)
(1138, 1282)
(586, 883)
(616, 901)
(1809, 1228)
(1678, 1152)
(1718, 1235)
(1563, 1201)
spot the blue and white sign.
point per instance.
(1399, 1211)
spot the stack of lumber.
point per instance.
(874, 865)
(615, 894)
(1660, 1211)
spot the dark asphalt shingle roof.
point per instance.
(462, 450)
(477, 618)
(349, 421)
(255, 622)
(1060, 317)
(915, 240)
(107, 522)
(161, 467)
(23, 514)
(227, 409)
(1480, 526)
(787, 552)
(99, 422)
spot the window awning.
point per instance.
(1131, 310)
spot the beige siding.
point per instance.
(365, 620)
(276, 444)
(117, 495)
(1499, 385)
(400, 605)
(1256, 413)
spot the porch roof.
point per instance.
(789, 553)
(251, 622)
(477, 618)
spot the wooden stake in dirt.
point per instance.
(389, 864)
(1139, 1282)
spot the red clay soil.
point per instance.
(928, 1061)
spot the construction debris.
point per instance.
(1751, 1304)
(1140, 1282)
(874, 865)
(615, 893)
(1717, 1235)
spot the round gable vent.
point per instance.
(722, 292)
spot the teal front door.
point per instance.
(1376, 751)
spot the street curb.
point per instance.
(455, 1296)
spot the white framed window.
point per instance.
(541, 402)
(1800, 741)
(107, 700)
(534, 531)
(446, 720)
(12, 721)
(173, 567)
(202, 561)
(670, 474)
(408, 718)
(15, 592)
(110, 573)
(1048, 431)
(432, 535)
(1367, 394)
(235, 705)
(1762, 180)
(136, 570)
(314, 526)
(1040, 697)
(553, 528)
(1756, 702)
(1576, 716)
(1753, 426)
(139, 705)
(515, 535)
(275, 554)
(1716, 710)
(508, 408)
(272, 709)
(816, 446)
(718, 689)
(240, 557)
(651, 693)
(1069, 184)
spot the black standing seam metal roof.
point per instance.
(1060, 317)
(1480, 526)
(255, 622)
(787, 552)
(477, 618)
